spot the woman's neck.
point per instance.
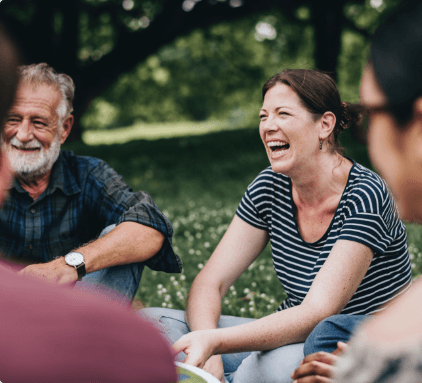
(323, 179)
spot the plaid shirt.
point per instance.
(84, 196)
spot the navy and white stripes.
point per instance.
(366, 214)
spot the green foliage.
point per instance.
(218, 72)
(211, 73)
(414, 237)
(198, 182)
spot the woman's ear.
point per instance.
(328, 122)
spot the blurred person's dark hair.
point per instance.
(9, 62)
(396, 56)
(319, 94)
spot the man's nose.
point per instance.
(25, 131)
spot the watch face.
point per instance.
(74, 259)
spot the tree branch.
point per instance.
(173, 21)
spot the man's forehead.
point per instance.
(37, 96)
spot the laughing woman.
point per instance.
(337, 244)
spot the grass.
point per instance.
(198, 182)
(155, 131)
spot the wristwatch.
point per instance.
(77, 261)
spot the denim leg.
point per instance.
(269, 366)
(327, 333)
(172, 325)
(119, 283)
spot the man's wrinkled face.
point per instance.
(31, 137)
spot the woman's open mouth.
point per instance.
(278, 148)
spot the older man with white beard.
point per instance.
(68, 215)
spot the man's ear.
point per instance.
(328, 122)
(67, 127)
(6, 177)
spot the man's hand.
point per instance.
(318, 367)
(214, 366)
(56, 271)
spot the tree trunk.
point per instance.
(327, 17)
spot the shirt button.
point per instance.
(33, 211)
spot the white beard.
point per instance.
(32, 165)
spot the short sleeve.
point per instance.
(257, 204)
(371, 217)
(368, 229)
(248, 212)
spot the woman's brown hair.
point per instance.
(319, 94)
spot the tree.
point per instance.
(94, 41)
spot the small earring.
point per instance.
(320, 144)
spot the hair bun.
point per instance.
(351, 115)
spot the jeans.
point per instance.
(327, 333)
(116, 283)
(244, 367)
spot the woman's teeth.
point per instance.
(278, 145)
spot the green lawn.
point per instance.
(198, 182)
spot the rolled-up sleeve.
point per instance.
(115, 202)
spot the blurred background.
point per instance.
(168, 93)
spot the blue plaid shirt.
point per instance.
(83, 197)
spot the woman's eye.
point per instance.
(262, 116)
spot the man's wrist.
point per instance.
(76, 260)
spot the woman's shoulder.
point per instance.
(364, 181)
(369, 193)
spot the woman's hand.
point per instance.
(318, 367)
(198, 345)
(214, 366)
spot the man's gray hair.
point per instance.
(43, 73)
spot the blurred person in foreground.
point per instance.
(58, 335)
(333, 231)
(387, 348)
(59, 203)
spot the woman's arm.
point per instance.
(332, 288)
(239, 247)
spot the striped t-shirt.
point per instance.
(366, 214)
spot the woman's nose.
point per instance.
(269, 125)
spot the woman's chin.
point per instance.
(279, 168)
(280, 164)
(410, 215)
(409, 200)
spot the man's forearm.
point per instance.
(128, 242)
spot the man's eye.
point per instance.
(40, 123)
